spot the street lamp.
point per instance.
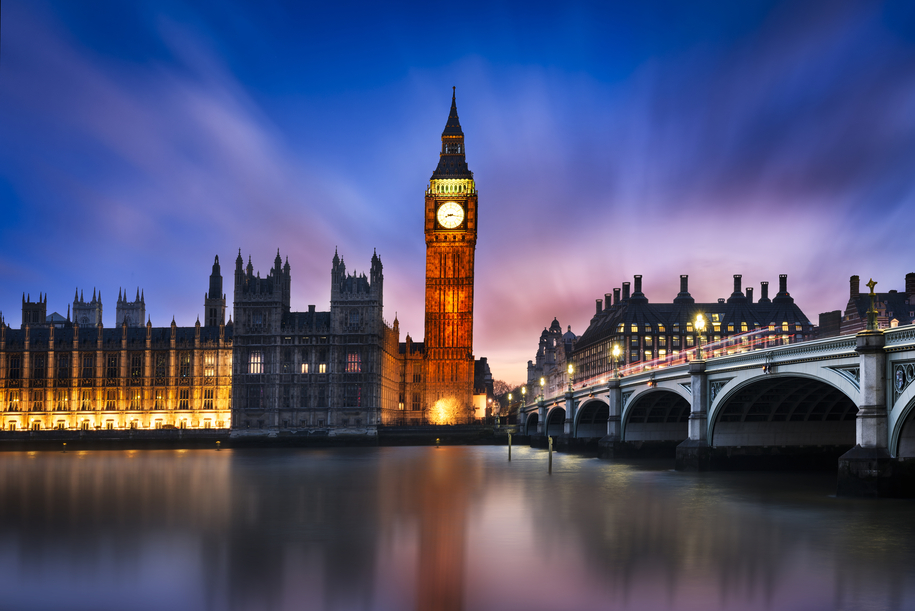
(616, 359)
(571, 371)
(700, 327)
(542, 382)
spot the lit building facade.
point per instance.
(894, 308)
(67, 375)
(550, 364)
(646, 331)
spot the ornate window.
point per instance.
(111, 397)
(184, 396)
(184, 365)
(15, 367)
(209, 364)
(37, 400)
(63, 366)
(134, 396)
(208, 398)
(85, 401)
(39, 367)
(255, 361)
(353, 363)
(304, 368)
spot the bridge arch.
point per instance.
(656, 414)
(591, 418)
(901, 421)
(782, 409)
(530, 423)
(555, 419)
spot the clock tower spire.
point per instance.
(451, 237)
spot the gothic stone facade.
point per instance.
(335, 371)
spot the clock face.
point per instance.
(450, 215)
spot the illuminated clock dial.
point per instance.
(450, 215)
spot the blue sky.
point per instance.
(138, 140)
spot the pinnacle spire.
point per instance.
(451, 162)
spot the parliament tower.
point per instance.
(451, 237)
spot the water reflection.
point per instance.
(435, 529)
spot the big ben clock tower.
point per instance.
(451, 238)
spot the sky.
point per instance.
(139, 140)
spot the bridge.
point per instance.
(853, 394)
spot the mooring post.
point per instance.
(65, 448)
(217, 446)
(550, 463)
(509, 447)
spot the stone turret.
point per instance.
(214, 301)
(133, 312)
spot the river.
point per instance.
(424, 528)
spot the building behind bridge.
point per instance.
(647, 331)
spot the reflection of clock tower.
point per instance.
(451, 237)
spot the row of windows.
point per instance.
(290, 395)
(111, 365)
(256, 364)
(110, 425)
(60, 401)
(716, 327)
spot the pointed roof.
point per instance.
(453, 126)
(451, 161)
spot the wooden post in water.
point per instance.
(550, 463)
(509, 447)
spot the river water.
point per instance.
(450, 528)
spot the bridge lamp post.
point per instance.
(523, 400)
(542, 382)
(571, 371)
(700, 327)
(616, 360)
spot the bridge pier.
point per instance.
(568, 427)
(693, 454)
(867, 469)
(610, 446)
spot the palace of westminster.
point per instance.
(267, 369)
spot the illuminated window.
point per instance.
(134, 399)
(61, 425)
(11, 426)
(675, 341)
(717, 338)
(62, 400)
(84, 425)
(717, 327)
(648, 355)
(730, 327)
(13, 404)
(635, 328)
(85, 403)
(647, 328)
(621, 328)
(743, 327)
(662, 354)
(184, 398)
(160, 399)
(209, 364)
(798, 328)
(158, 424)
(417, 402)
(353, 363)
(771, 327)
(109, 424)
(648, 340)
(784, 326)
(37, 400)
(111, 397)
(322, 368)
(304, 367)
(208, 398)
(256, 361)
(689, 327)
(662, 341)
(660, 328)
(690, 341)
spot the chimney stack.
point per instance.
(616, 296)
(638, 284)
(737, 278)
(684, 283)
(608, 300)
(783, 284)
(910, 283)
(749, 294)
(854, 286)
(764, 291)
(625, 291)
(600, 306)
